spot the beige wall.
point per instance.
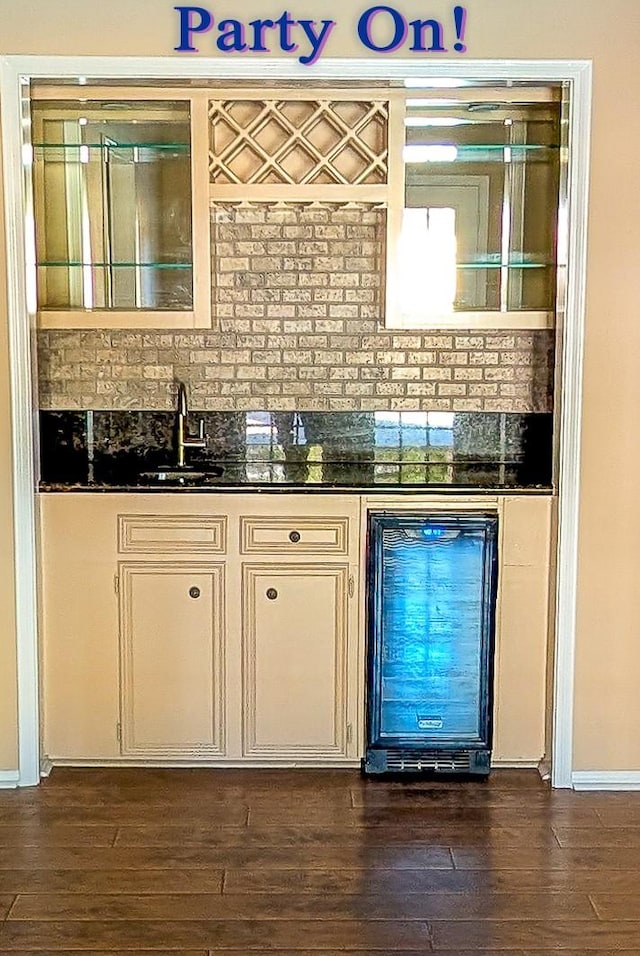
(608, 651)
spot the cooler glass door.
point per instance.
(432, 587)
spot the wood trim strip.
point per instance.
(114, 319)
(285, 192)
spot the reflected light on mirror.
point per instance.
(427, 252)
(31, 282)
(429, 121)
(432, 153)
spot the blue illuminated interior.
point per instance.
(431, 631)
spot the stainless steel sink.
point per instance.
(182, 476)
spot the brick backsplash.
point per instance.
(298, 316)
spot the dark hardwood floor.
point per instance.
(201, 862)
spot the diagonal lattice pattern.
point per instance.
(297, 142)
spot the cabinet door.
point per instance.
(172, 660)
(295, 661)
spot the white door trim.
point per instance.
(22, 413)
(576, 73)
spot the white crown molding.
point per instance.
(606, 779)
(9, 779)
(227, 67)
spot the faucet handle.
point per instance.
(201, 429)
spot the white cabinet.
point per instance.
(172, 658)
(296, 667)
(161, 643)
(266, 665)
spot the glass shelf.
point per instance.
(114, 265)
(486, 147)
(65, 264)
(496, 264)
(174, 147)
(420, 152)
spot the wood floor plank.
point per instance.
(243, 935)
(548, 858)
(13, 835)
(193, 812)
(6, 901)
(207, 778)
(116, 802)
(584, 936)
(298, 815)
(408, 796)
(335, 837)
(578, 837)
(202, 880)
(619, 815)
(193, 857)
(376, 880)
(500, 780)
(618, 906)
(422, 907)
(188, 813)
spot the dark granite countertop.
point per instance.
(302, 451)
(95, 488)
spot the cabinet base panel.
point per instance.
(238, 764)
(49, 763)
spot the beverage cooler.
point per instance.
(432, 582)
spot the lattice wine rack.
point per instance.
(297, 147)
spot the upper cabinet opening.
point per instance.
(113, 206)
(473, 210)
(464, 185)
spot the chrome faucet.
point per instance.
(184, 440)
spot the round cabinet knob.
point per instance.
(272, 594)
(294, 536)
(194, 592)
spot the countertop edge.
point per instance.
(415, 490)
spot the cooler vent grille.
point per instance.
(443, 761)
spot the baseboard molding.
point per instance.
(9, 779)
(515, 764)
(137, 762)
(605, 779)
